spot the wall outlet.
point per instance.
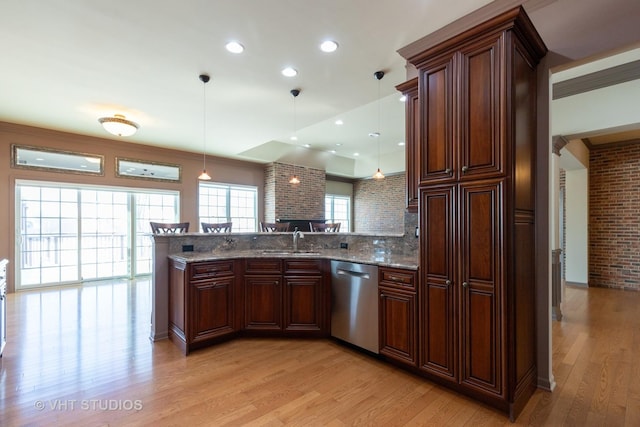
(344, 245)
(417, 232)
(187, 248)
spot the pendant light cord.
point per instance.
(379, 134)
(204, 125)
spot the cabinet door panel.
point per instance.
(397, 325)
(412, 140)
(481, 152)
(211, 311)
(438, 347)
(436, 101)
(263, 303)
(481, 210)
(303, 303)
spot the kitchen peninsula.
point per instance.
(393, 251)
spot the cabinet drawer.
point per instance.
(402, 279)
(205, 270)
(302, 266)
(263, 266)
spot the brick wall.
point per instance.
(284, 200)
(379, 206)
(614, 217)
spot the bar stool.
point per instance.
(220, 227)
(169, 227)
(274, 226)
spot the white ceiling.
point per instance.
(66, 63)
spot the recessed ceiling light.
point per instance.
(403, 98)
(401, 143)
(332, 151)
(328, 46)
(293, 138)
(234, 47)
(356, 154)
(40, 159)
(339, 122)
(307, 145)
(338, 144)
(289, 72)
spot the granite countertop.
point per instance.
(380, 259)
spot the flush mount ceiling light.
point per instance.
(234, 47)
(289, 72)
(118, 125)
(328, 46)
(204, 176)
(294, 178)
(378, 175)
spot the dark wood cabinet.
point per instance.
(287, 296)
(305, 302)
(412, 141)
(481, 268)
(263, 294)
(476, 175)
(202, 303)
(398, 315)
(214, 300)
(438, 296)
(460, 113)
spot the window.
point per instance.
(229, 203)
(70, 234)
(338, 209)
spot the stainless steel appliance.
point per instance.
(354, 305)
(3, 304)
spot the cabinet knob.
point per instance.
(465, 169)
(447, 282)
(447, 171)
(465, 285)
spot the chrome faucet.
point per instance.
(297, 234)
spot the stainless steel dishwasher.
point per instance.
(354, 304)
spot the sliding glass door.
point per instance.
(72, 234)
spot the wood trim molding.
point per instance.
(608, 77)
(467, 22)
(558, 143)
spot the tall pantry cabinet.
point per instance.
(475, 176)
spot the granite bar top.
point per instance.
(381, 259)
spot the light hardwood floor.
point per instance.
(81, 356)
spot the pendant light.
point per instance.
(204, 176)
(294, 178)
(378, 175)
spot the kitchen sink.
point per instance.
(288, 252)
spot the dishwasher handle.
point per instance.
(359, 274)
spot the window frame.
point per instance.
(228, 187)
(330, 216)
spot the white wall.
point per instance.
(577, 260)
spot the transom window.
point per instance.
(229, 203)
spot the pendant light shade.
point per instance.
(204, 176)
(294, 178)
(378, 175)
